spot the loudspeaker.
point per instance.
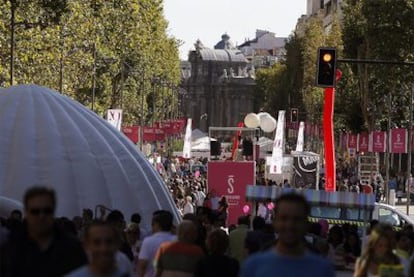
(247, 147)
(215, 148)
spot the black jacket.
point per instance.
(20, 256)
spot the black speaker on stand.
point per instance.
(247, 147)
(215, 148)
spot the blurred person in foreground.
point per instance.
(179, 258)
(40, 248)
(378, 254)
(237, 238)
(290, 256)
(101, 242)
(162, 224)
(217, 263)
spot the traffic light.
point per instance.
(326, 67)
(294, 114)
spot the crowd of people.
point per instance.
(39, 244)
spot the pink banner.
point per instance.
(131, 132)
(398, 140)
(412, 140)
(153, 134)
(308, 127)
(379, 141)
(352, 141)
(363, 140)
(343, 140)
(230, 179)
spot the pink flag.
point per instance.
(378, 141)
(412, 140)
(352, 141)
(363, 139)
(399, 140)
(343, 140)
(131, 132)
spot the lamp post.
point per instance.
(13, 6)
(409, 148)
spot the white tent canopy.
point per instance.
(49, 139)
(197, 134)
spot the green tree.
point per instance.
(379, 29)
(122, 45)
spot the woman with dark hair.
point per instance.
(216, 263)
(378, 253)
(352, 247)
(222, 211)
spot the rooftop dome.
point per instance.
(50, 139)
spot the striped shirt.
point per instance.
(178, 258)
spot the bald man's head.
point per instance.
(187, 231)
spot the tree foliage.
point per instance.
(369, 29)
(380, 30)
(64, 45)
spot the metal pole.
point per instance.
(387, 152)
(153, 101)
(141, 127)
(409, 148)
(122, 84)
(12, 25)
(61, 71)
(94, 77)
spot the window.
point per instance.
(357, 214)
(326, 212)
(389, 217)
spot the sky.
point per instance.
(207, 20)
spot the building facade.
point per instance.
(220, 86)
(327, 10)
(265, 49)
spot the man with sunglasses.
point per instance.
(101, 242)
(41, 248)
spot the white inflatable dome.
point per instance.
(49, 139)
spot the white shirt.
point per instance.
(262, 211)
(150, 247)
(188, 209)
(123, 263)
(201, 197)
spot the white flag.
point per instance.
(299, 144)
(114, 117)
(277, 153)
(187, 140)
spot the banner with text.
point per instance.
(363, 142)
(277, 151)
(114, 117)
(352, 141)
(379, 141)
(305, 171)
(230, 179)
(398, 140)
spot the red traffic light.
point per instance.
(326, 67)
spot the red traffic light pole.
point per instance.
(328, 136)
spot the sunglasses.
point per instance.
(44, 211)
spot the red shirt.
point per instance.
(367, 189)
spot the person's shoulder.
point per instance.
(322, 262)
(253, 262)
(260, 257)
(79, 272)
(166, 245)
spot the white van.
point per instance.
(389, 214)
(340, 215)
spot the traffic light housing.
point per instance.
(326, 67)
(294, 114)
